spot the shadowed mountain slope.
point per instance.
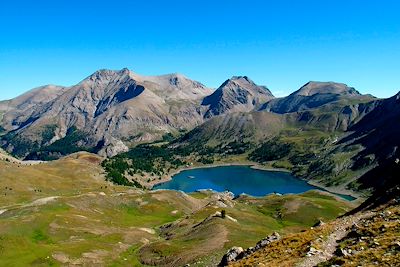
(313, 95)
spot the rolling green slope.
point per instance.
(64, 213)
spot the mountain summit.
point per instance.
(314, 95)
(312, 88)
(238, 94)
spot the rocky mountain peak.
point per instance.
(106, 75)
(313, 95)
(245, 83)
(245, 78)
(100, 74)
(238, 80)
(238, 94)
(313, 87)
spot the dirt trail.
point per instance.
(41, 201)
(329, 245)
(34, 203)
(46, 200)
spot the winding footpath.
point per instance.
(330, 244)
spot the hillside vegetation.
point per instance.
(65, 213)
(367, 238)
(78, 208)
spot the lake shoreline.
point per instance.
(339, 191)
(256, 166)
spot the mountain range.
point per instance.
(118, 109)
(110, 112)
(145, 128)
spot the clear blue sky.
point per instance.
(281, 44)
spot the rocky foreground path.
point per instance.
(327, 246)
(368, 238)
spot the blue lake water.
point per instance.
(238, 180)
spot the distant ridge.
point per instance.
(112, 110)
(314, 95)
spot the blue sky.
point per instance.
(281, 44)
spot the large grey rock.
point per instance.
(269, 239)
(232, 255)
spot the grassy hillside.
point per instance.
(64, 213)
(368, 238)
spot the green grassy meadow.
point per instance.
(64, 213)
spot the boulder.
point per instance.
(269, 239)
(233, 254)
(237, 253)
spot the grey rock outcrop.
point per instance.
(266, 241)
(237, 253)
(231, 255)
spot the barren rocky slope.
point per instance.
(112, 110)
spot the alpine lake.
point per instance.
(239, 180)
